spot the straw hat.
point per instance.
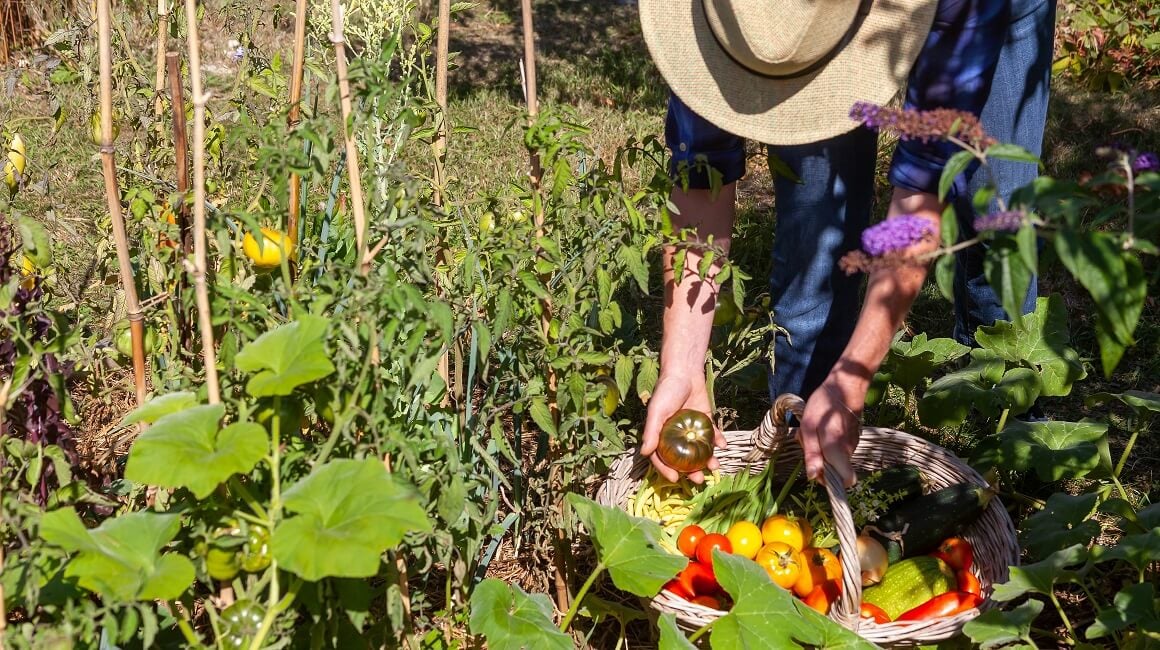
(784, 71)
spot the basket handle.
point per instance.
(767, 439)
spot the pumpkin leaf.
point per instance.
(1061, 523)
(627, 547)
(671, 636)
(1010, 630)
(286, 357)
(160, 406)
(512, 619)
(1042, 340)
(1133, 606)
(1055, 450)
(1041, 577)
(1138, 550)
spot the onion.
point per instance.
(872, 559)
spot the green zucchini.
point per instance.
(909, 584)
(917, 526)
(906, 481)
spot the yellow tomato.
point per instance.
(16, 163)
(267, 254)
(819, 566)
(745, 537)
(781, 562)
(780, 528)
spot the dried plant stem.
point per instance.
(295, 204)
(181, 210)
(113, 198)
(201, 291)
(159, 74)
(536, 172)
(356, 195)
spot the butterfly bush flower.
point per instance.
(911, 124)
(896, 233)
(1008, 221)
(1146, 162)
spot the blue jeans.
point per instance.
(821, 218)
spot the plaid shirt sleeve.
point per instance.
(698, 146)
(954, 70)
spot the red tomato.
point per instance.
(968, 582)
(678, 589)
(689, 538)
(822, 597)
(874, 612)
(948, 604)
(956, 552)
(698, 579)
(708, 601)
(708, 543)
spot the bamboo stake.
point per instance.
(181, 149)
(439, 149)
(295, 116)
(159, 75)
(560, 572)
(113, 199)
(199, 243)
(356, 196)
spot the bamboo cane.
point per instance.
(159, 74)
(295, 116)
(199, 242)
(560, 572)
(113, 199)
(356, 196)
(439, 149)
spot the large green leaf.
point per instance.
(1010, 630)
(911, 362)
(1055, 450)
(1137, 550)
(949, 400)
(511, 619)
(286, 357)
(120, 560)
(1134, 605)
(160, 406)
(767, 616)
(1115, 279)
(189, 449)
(1040, 578)
(349, 513)
(1063, 522)
(671, 636)
(627, 547)
(1143, 404)
(1042, 340)
(1008, 274)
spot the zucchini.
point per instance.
(917, 526)
(905, 481)
(909, 584)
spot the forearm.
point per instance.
(889, 296)
(689, 304)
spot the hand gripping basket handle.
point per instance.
(768, 438)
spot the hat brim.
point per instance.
(871, 67)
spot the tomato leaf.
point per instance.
(1134, 605)
(1062, 523)
(1040, 578)
(189, 449)
(671, 636)
(1042, 340)
(1055, 450)
(512, 619)
(349, 512)
(160, 406)
(120, 560)
(286, 357)
(627, 547)
(998, 629)
(767, 616)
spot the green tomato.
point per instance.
(124, 342)
(222, 564)
(240, 622)
(256, 550)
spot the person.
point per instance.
(786, 73)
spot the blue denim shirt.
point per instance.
(953, 70)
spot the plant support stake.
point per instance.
(199, 265)
(356, 196)
(159, 74)
(113, 198)
(295, 116)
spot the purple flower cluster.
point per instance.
(896, 233)
(1146, 162)
(1008, 221)
(910, 124)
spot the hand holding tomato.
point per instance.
(672, 394)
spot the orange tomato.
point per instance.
(708, 543)
(780, 528)
(875, 613)
(781, 562)
(698, 579)
(745, 537)
(822, 597)
(689, 538)
(819, 565)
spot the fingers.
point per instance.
(669, 473)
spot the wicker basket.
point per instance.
(992, 535)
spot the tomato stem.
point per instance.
(182, 617)
(580, 597)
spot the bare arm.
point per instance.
(831, 423)
(688, 317)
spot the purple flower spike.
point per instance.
(895, 234)
(910, 124)
(1146, 162)
(1008, 221)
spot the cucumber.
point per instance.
(917, 526)
(905, 480)
(909, 584)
